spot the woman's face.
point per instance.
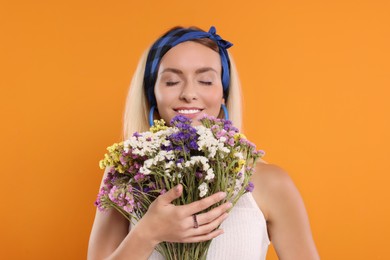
(189, 82)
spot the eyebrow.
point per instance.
(198, 71)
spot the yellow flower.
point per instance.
(239, 136)
(159, 125)
(102, 164)
(115, 147)
(120, 169)
(241, 163)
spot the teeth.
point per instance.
(189, 111)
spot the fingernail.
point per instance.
(177, 188)
(230, 205)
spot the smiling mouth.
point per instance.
(188, 111)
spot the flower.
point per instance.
(205, 159)
(203, 189)
(250, 187)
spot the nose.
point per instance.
(188, 92)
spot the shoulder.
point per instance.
(283, 208)
(270, 174)
(273, 186)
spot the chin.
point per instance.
(196, 122)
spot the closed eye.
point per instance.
(171, 83)
(208, 83)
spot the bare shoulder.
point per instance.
(272, 184)
(281, 203)
(270, 174)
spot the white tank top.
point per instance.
(245, 234)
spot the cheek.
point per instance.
(164, 96)
(213, 98)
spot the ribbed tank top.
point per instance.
(245, 234)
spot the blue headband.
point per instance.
(170, 40)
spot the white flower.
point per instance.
(203, 189)
(148, 143)
(239, 155)
(208, 143)
(239, 182)
(169, 165)
(169, 155)
(148, 163)
(126, 145)
(209, 174)
(144, 170)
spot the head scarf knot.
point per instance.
(221, 42)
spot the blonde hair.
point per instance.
(137, 106)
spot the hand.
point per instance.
(167, 222)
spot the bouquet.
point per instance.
(205, 159)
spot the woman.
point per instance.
(189, 72)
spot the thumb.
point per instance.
(172, 194)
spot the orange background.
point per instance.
(316, 78)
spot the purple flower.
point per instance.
(109, 179)
(193, 145)
(221, 133)
(112, 195)
(123, 160)
(129, 207)
(250, 187)
(147, 189)
(260, 152)
(120, 196)
(98, 203)
(245, 142)
(185, 139)
(199, 175)
(214, 128)
(180, 119)
(228, 126)
(136, 134)
(139, 176)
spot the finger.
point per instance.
(206, 232)
(203, 204)
(209, 227)
(213, 214)
(204, 237)
(171, 195)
